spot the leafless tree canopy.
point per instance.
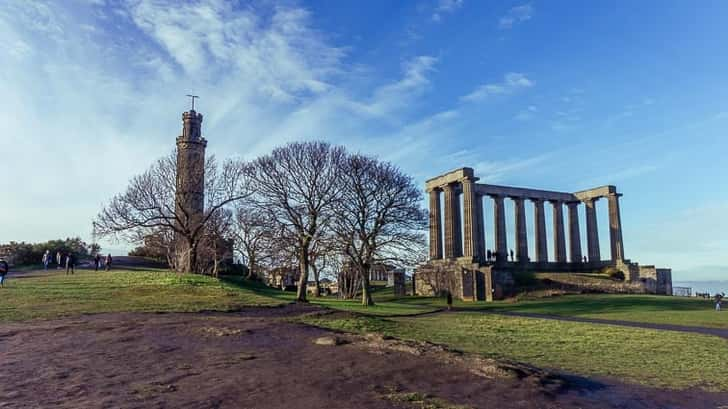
(297, 185)
(148, 204)
(254, 238)
(378, 217)
(307, 203)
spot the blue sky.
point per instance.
(555, 95)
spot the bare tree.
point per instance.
(321, 257)
(158, 243)
(216, 242)
(297, 185)
(253, 238)
(148, 205)
(348, 279)
(378, 218)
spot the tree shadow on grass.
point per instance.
(258, 288)
(595, 304)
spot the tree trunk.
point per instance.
(316, 279)
(186, 256)
(366, 296)
(303, 280)
(251, 264)
(192, 258)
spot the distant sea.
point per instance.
(711, 287)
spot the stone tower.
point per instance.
(190, 189)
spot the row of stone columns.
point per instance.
(472, 245)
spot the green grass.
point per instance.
(637, 308)
(116, 291)
(650, 357)
(656, 358)
(386, 304)
(654, 309)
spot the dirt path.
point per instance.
(718, 332)
(257, 359)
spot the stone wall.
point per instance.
(465, 281)
(589, 283)
(656, 280)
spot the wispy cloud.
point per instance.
(445, 7)
(623, 174)
(526, 114)
(280, 53)
(266, 76)
(389, 98)
(516, 15)
(512, 82)
(496, 171)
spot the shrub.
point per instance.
(22, 253)
(614, 274)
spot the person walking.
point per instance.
(512, 258)
(108, 262)
(97, 261)
(58, 260)
(449, 300)
(46, 259)
(70, 263)
(718, 299)
(3, 271)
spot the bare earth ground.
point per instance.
(257, 359)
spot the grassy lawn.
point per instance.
(655, 358)
(386, 304)
(91, 292)
(637, 308)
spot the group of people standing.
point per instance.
(69, 261)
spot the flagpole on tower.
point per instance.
(192, 97)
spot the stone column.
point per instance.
(592, 229)
(540, 231)
(499, 229)
(480, 226)
(453, 237)
(559, 237)
(615, 227)
(472, 240)
(574, 235)
(435, 225)
(521, 233)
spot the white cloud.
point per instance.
(445, 7)
(93, 110)
(495, 171)
(526, 114)
(516, 15)
(281, 54)
(391, 98)
(512, 82)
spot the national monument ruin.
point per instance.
(458, 255)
